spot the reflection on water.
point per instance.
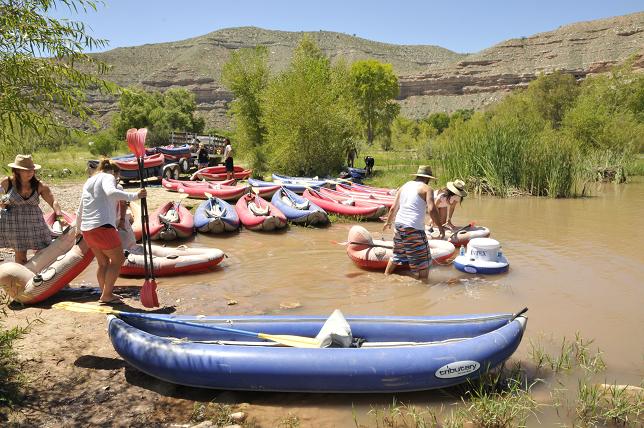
(577, 264)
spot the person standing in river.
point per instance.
(22, 226)
(228, 160)
(97, 221)
(413, 200)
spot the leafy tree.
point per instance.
(463, 114)
(308, 117)
(552, 95)
(161, 113)
(374, 86)
(439, 121)
(44, 74)
(246, 74)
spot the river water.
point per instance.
(575, 263)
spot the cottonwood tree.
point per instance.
(308, 114)
(246, 75)
(44, 72)
(375, 86)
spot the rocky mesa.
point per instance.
(431, 78)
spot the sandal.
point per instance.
(116, 300)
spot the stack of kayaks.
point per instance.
(218, 173)
(172, 184)
(55, 226)
(460, 235)
(387, 201)
(47, 271)
(370, 253)
(367, 189)
(216, 216)
(358, 208)
(168, 222)
(171, 261)
(255, 213)
(396, 353)
(175, 153)
(298, 209)
(129, 162)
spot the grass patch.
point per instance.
(11, 378)
(219, 414)
(571, 354)
(636, 166)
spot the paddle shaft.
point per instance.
(370, 245)
(145, 228)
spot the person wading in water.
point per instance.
(413, 200)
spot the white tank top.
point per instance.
(412, 207)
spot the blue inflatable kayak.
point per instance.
(292, 186)
(305, 181)
(395, 354)
(298, 209)
(216, 216)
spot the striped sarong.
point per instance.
(410, 246)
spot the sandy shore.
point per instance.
(73, 375)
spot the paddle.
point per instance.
(287, 340)
(136, 143)
(363, 243)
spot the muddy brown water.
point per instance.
(576, 263)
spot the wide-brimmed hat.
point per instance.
(424, 171)
(457, 187)
(24, 162)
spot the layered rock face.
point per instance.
(431, 78)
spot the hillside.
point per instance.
(431, 78)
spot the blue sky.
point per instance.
(462, 26)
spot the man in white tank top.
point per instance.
(413, 200)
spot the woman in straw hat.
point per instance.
(22, 226)
(446, 200)
(413, 200)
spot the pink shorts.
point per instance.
(102, 238)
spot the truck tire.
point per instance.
(185, 166)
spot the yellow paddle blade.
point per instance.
(208, 195)
(85, 307)
(292, 341)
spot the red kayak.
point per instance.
(171, 184)
(218, 173)
(358, 208)
(258, 214)
(168, 222)
(369, 253)
(129, 162)
(199, 189)
(366, 189)
(387, 201)
(56, 227)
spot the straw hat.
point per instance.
(24, 162)
(457, 187)
(424, 171)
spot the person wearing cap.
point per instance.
(446, 200)
(22, 226)
(413, 200)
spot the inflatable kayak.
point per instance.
(370, 253)
(216, 216)
(218, 173)
(171, 261)
(255, 213)
(47, 271)
(462, 235)
(198, 190)
(342, 197)
(366, 189)
(175, 152)
(56, 227)
(293, 187)
(357, 208)
(298, 209)
(483, 255)
(313, 182)
(396, 353)
(172, 184)
(129, 162)
(170, 221)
